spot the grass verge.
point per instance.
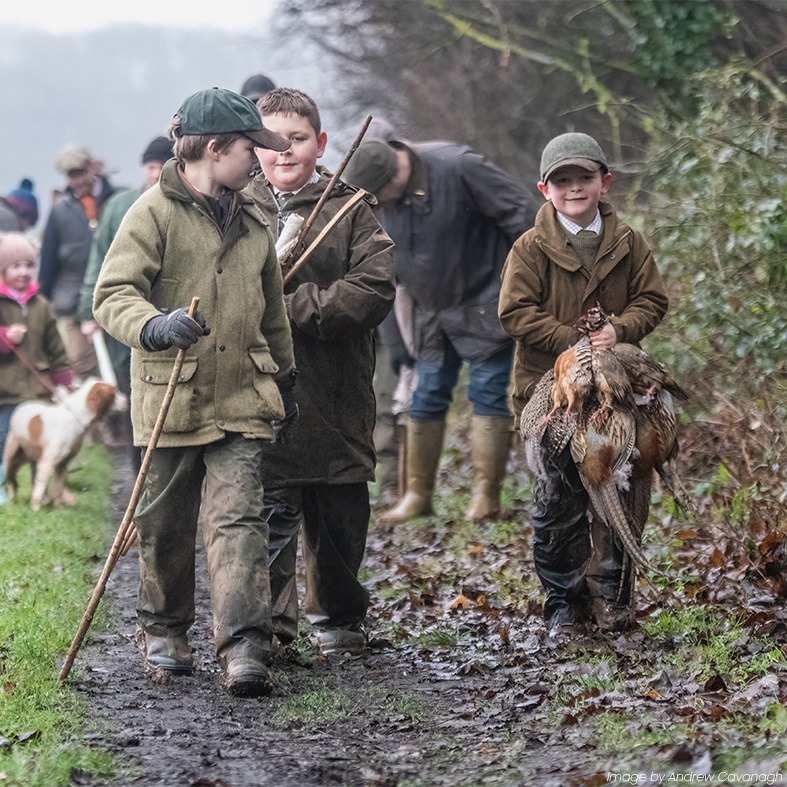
(48, 566)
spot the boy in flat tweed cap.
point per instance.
(578, 253)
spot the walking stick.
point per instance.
(126, 530)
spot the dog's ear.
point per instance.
(100, 398)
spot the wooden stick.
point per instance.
(127, 525)
(357, 197)
(297, 246)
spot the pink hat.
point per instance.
(15, 246)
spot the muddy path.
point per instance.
(453, 692)
(397, 716)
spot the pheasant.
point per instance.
(656, 392)
(615, 442)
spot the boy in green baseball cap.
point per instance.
(195, 234)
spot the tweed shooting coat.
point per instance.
(335, 301)
(546, 289)
(168, 250)
(42, 346)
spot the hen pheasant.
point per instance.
(656, 393)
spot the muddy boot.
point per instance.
(491, 444)
(424, 445)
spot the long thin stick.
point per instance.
(297, 246)
(127, 524)
(340, 214)
(105, 367)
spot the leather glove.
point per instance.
(175, 328)
(287, 392)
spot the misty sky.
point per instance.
(82, 15)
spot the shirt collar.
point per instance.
(313, 178)
(574, 228)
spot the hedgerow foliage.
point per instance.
(716, 186)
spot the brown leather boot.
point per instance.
(491, 443)
(424, 446)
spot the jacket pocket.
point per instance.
(183, 413)
(265, 368)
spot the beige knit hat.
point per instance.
(15, 246)
(71, 158)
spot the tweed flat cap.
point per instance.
(574, 148)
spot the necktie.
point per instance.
(282, 197)
(586, 234)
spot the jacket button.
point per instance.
(221, 347)
(220, 423)
(612, 256)
(219, 270)
(148, 378)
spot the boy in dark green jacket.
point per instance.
(196, 234)
(318, 478)
(577, 254)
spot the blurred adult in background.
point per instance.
(157, 152)
(19, 209)
(256, 86)
(65, 247)
(453, 216)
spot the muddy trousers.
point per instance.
(334, 519)
(79, 349)
(575, 560)
(561, 541)
(236, 543)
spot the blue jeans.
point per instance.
(488, 389)
(5, 419)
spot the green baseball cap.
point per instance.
(220, 111)
(575, 148)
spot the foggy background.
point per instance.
(113, 90)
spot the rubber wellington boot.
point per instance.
(490, 439)
(424, 446)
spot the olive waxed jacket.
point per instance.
(546, 289)
(335, 301)
(453, 228)
(168, 250)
